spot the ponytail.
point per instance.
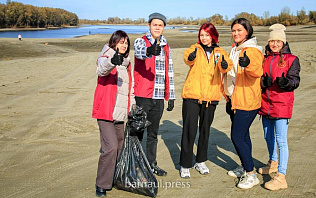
(281, 62)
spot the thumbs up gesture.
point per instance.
(282, 81)
(244, 61)
(117, 59)
(154, 49)
(267, 80)
(224, 63)
(192, 56)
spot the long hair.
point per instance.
(211, 30)
(281, 62)
(115, 39)
(246, 24)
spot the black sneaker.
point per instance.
(100, 192)
(158, 171)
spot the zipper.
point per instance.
(270, 68)
(234, 91)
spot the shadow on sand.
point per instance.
(171, 135)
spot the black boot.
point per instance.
(100, 192)
(158, 171)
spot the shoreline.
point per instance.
(33, 29)
(12, 48)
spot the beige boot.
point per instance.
(271, 167)
(278, 182)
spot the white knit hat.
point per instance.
(277, 32)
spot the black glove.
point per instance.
(224, 63)
(154, 49)
(267, 80)
(244, 61)
(117, 59)
(192, 56)
(170, 105)
(282, 81)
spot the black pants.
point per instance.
(154, 109)
(191, 111)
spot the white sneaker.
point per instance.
(202, 168)
(248, 181)
(237, 172)
(184, 172)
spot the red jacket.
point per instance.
(144, 74)
(105, 96)
(277, 102)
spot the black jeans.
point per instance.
(191, 112)
(154, 109)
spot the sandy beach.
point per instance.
(49, 144)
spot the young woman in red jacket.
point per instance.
(280, 78)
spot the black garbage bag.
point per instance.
(133, 172)
(137, 120)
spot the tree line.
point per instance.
(18, 15)
(285, 18)
(15, 14)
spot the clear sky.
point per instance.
(134, 9)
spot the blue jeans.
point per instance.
(240, 135)
(275, 133)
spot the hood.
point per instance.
(250, 43)
(105, 48)
(206, 48)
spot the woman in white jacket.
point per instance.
(112, 101)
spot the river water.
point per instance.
(77, 31)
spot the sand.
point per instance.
(49, 144)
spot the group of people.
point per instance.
(250, 82)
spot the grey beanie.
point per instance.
(157, 15)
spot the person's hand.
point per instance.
(170, 105)
(154, 49)
(282, 81)
(244, 61)
(192, 56)
(224, 63)
(267, 80)
(117, 59)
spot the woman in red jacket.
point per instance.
(280, 78)
(112, 100)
